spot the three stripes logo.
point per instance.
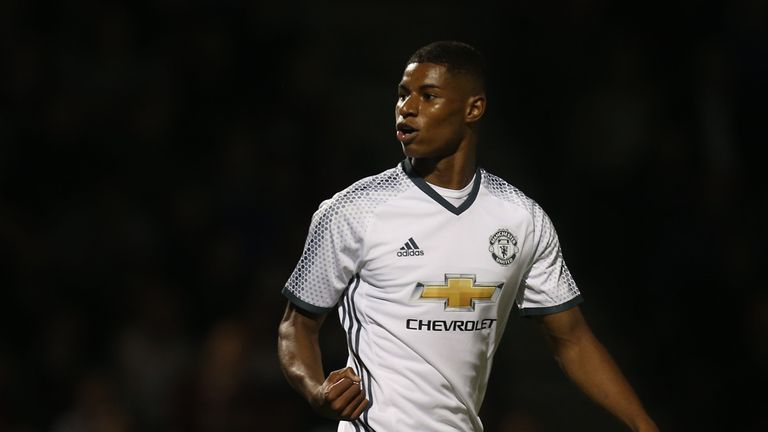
(410, 249)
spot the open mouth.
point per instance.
(405, 132)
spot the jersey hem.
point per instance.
(535, 311)
(304, 305)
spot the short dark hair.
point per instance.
(457, 57)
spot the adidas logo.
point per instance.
(410, 249)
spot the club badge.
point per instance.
(503, 247)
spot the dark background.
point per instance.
(160, 162)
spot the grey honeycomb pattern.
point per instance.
(336, 236)
(559, 289)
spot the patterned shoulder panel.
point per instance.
(548, 286)
(336, 236)
(504, 191)
(364, 196)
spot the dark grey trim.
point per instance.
(427, 189)
(551, 309)
(364, 372)
(349, 311)
(304, 305)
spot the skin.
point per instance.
(337, 396)
(589, 365)
(444, 108)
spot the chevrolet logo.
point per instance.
(459, 292)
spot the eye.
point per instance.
(428, 96)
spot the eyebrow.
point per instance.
(422, 87)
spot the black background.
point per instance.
(160, 162)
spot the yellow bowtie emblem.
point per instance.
(459, 292)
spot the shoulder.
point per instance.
(367, 194)
(382, 186)
(499, 188)
(502, 190)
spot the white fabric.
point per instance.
(454, 196)
(380, 246)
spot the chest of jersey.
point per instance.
(420, 255)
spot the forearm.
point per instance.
(300, 358)
(589, 365)
(338, 396)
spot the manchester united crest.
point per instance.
(503, 247)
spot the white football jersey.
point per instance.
(424, 290)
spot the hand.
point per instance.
(340, 396)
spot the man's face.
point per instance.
(431, 109)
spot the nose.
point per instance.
(408, 107)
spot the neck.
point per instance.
(452, 172)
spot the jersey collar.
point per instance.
(422, 184)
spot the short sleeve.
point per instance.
(330, 256)
(336, 240)
(548, 286)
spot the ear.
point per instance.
(475, 108)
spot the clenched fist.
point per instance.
(340, 396)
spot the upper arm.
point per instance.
(565, 329)
(298, 337)
(297, 319)
(298, 348)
